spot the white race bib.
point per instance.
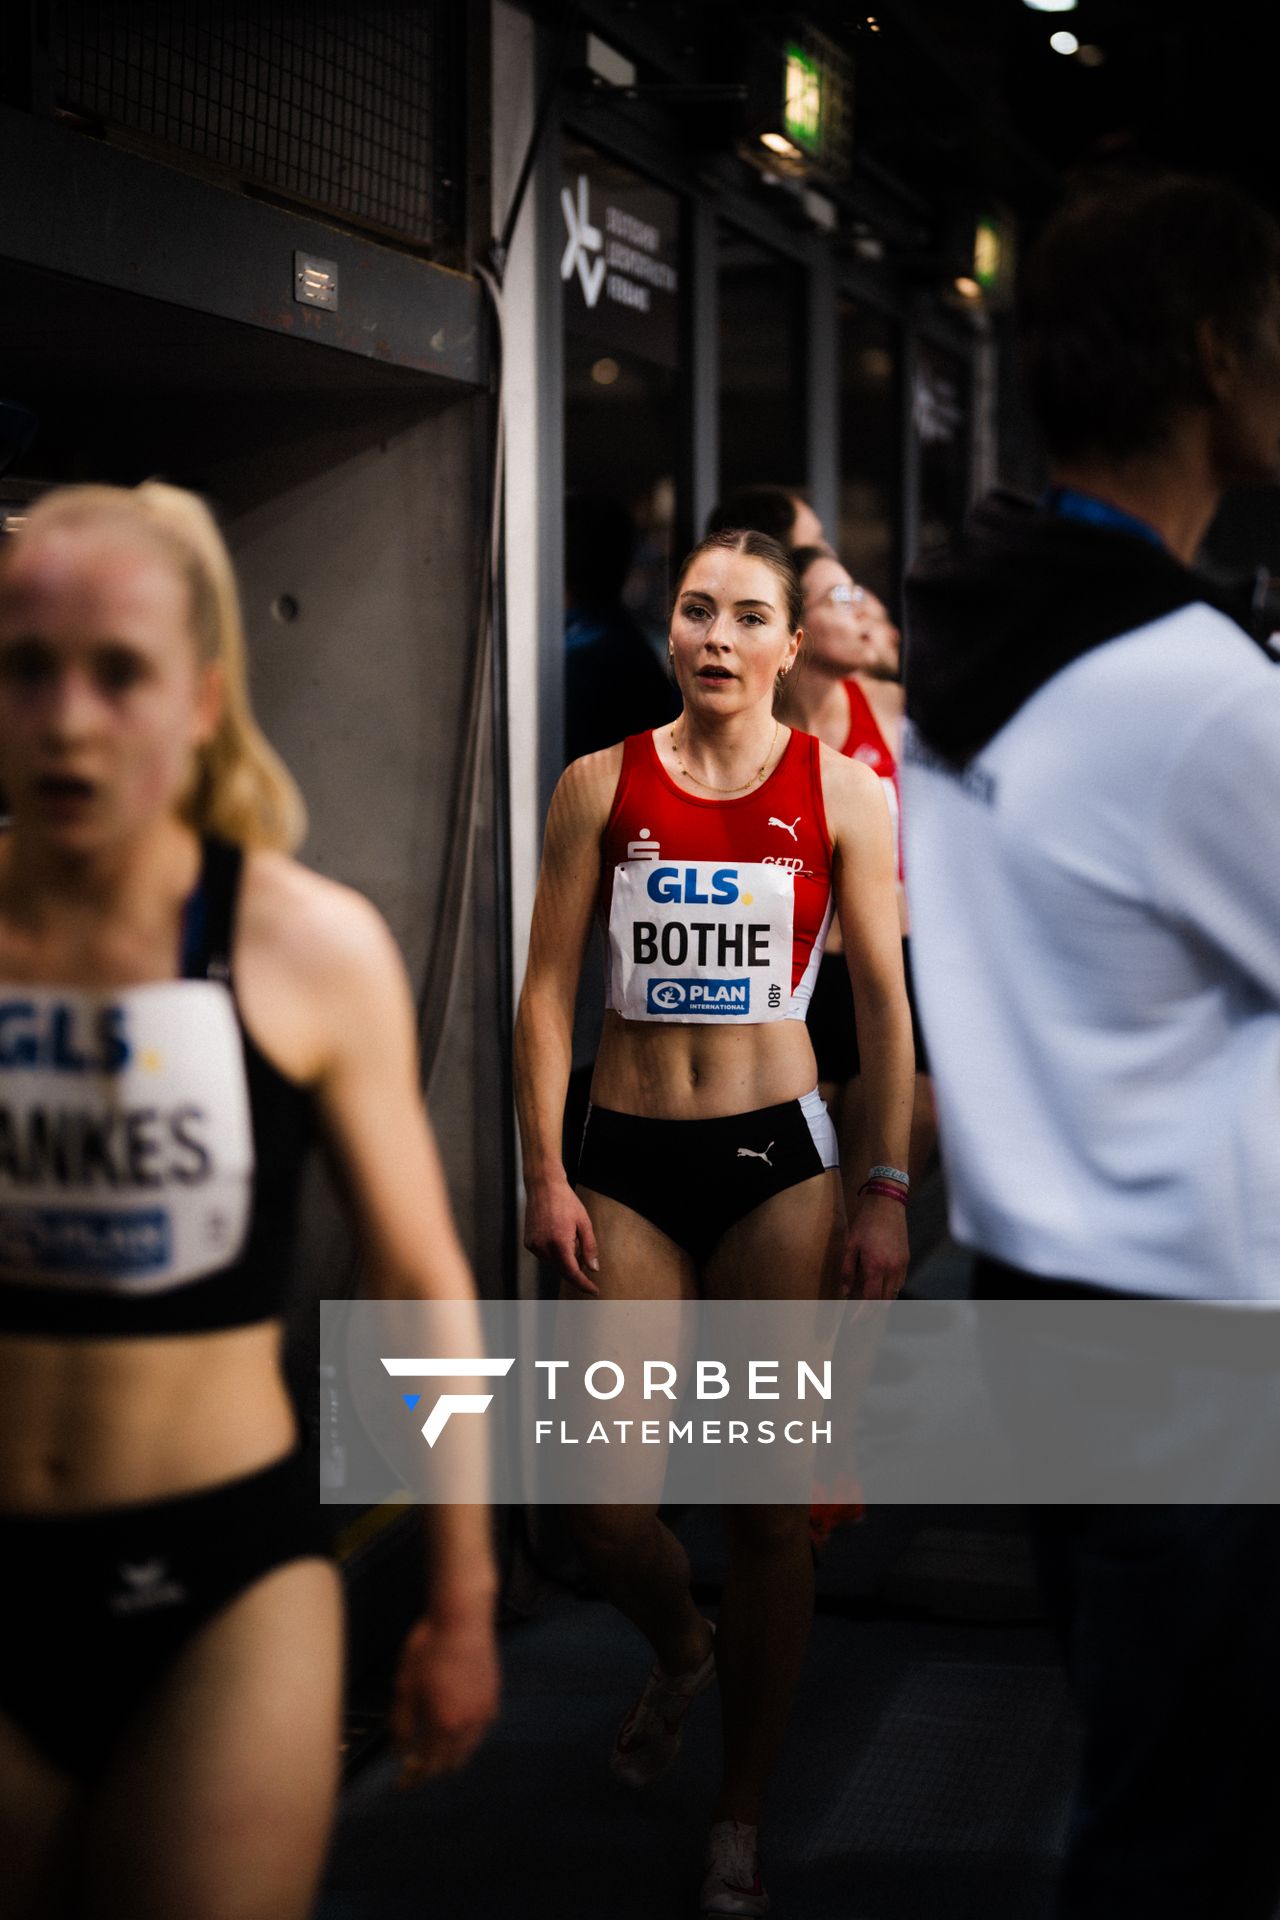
(701, 941)
(126, 1143)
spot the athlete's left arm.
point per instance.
(866, 902)
(353, 1035)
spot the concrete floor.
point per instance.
(926, 1772)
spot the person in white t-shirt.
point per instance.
(1092, 813)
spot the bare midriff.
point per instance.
(700, 1072)
(86, 1424)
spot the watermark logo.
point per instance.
(754, 1401)
(448, 1403)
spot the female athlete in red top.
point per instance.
(712, 849)
(840, 692)
(782, 824)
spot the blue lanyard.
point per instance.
(1072, 504)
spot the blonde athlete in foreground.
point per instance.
(709, 1164)
(178, 1001)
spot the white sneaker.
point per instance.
(732, 1884)
(648, 1740)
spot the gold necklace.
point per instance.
(726, 790)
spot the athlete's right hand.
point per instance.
(557, 1228)
(445, 1693)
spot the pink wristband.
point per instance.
(884, 1190)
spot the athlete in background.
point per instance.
(180, 1002)
(709, 1164)
(781, 512)
(845, 691)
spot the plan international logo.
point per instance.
(703, 996)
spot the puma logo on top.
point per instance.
(749, 1153)
(787, 827)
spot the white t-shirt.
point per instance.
(1095, 907)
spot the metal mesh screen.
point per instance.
(330, 106)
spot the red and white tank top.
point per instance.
(865, 742)
(716, 910)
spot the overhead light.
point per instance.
(605, 371)
(969, 288)
(1064, 43)
(1051, 6)
(779, 143)
(1092, 57)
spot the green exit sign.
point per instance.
(988, 255)
(802, 108)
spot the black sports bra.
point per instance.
(150, 1154)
